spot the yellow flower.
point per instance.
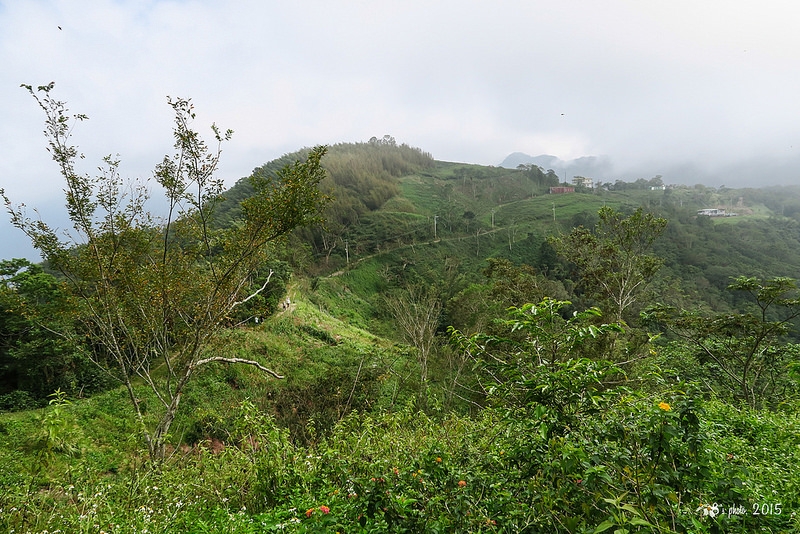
(664, 406)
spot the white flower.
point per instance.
(708, 510)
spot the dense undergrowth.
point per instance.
(351, 441)
(612, 461)
(343, 446)
(629, 433)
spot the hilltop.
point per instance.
(597, 167)
(446, 367)
(438, 220)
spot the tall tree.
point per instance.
(35, 359)
(744, 352)
(416, 312)
(532, 343)
(614, 259)
(150, 294)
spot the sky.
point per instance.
(691, 90)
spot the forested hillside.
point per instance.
(446, 348)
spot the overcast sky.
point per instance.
(653, 85)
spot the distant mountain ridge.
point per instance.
(750, 172)
(598, 167)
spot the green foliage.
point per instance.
(634, 463)
(559, 438)
(35, 360)
(58, 434)
(516, 285)
(267, 301)
(149, 296)
(614, 260)
(745, 353)
(536, 335)
(365, 178)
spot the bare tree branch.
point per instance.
(262, 288)
(254, 363)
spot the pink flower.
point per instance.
(324, 509)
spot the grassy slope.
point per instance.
(513, 216)
(335, 346)
(311, 348)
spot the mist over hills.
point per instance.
(755, 171)
(599, 167)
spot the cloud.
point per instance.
(653, 85)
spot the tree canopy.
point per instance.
(150, 293)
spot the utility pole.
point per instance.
(434, 226)
(492, 218)
(554, 212)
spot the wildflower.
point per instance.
(438, 460)
(324, 509)
(462, 483)
(309, 512)
(710, 510)
(664, 406)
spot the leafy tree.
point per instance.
(514, 285)
(471, 309)
(744, 350)
(614, 259)
(35, 359)
(266, 302)
(150, 295)
(533, 340)
(551, 178)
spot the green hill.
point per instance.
(548, 419)
(441, 221)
